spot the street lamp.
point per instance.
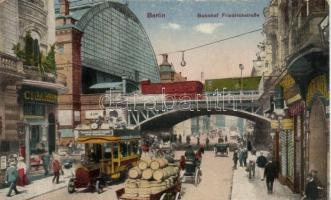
(241, 67)
(223, 96)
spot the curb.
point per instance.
(38, 195)
(231, 187)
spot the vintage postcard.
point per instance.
(164, 100)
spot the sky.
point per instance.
(181, 29)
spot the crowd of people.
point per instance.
(267, 170)
(17, 171)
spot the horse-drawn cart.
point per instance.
(171, 193)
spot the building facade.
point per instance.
(262, 63)
(98, 43)
(28, 80)
(168, 72)
(298, 33)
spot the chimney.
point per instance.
(165, 59)
(64, 7)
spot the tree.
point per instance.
(28, 49)
(49, 65)
(36, 52)
(18, 51)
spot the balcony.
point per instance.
(308, 34)
(11, 70)
(34, 77)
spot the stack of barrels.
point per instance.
(151, 176)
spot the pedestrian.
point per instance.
(198, 140)
(244, 156)
(249, 146)
(70, 147)
(251, 164)
(21, 170)
(261, 161)
(56, 166)
(311, 189)
(46, 160)
(11, 178)
(207, 142)
(226, 138)
(182, 162)
(270, 173)
(235, 159)
(189, 153)
(241, 160)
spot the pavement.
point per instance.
(255, 189)
(37, 188)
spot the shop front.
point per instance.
(39, 131)
(317, 152)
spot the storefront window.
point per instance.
(34, 109)
(36, 144)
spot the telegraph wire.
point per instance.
(211, 43)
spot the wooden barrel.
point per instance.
(131, 187)
(144, 164)
(159, 163)
(135, 173)
(147, 174)
(144, 189)
(156, 187)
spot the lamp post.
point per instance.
(241, 67)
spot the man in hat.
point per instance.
(11, 177)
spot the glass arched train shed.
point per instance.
(114, 44)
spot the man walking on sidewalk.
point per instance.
(56, 165)
(261, 162)
(270, 174)
(11, 175)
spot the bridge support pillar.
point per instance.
(261, 137)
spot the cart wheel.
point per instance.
(163, 196)
(178, 196)
(197, 177)
(71, 186)
(98, 187)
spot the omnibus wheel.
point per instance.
(71, 186)
(98, 187)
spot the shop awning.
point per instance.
(111, 85)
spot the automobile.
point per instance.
(67, 163)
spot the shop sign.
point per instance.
(291, 90)
(319, 86)
(36, 95)
(65, 117)
(96, 132)
(287, 124)
(296, 109)
(274, 124)
(93, 114)
(3, 162)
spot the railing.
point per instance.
(309, 29)
(33, 73)
(161, 98)
(10, 63)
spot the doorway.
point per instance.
(51, 133)
(317, 141)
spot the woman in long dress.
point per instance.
(21, 170)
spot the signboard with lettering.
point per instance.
(93, 114)
(37, 95)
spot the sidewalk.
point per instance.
(36, 188)
(255, 189)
